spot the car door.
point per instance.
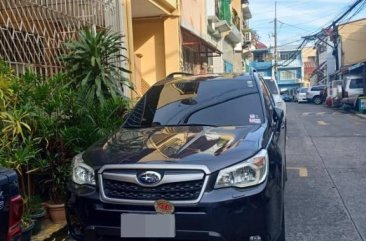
(277, 167)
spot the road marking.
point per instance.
(306, 113)
(321, 113)
(322, 123)
(303, 171)
(357, 134)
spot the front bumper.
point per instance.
(227, 214)
(302, 99)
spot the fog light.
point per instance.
(255, 238)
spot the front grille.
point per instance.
(179, 191)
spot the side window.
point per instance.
(268, 101)
(355, 84)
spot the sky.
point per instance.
(296, 18)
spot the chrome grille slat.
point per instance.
(183, 184)
(171, 191)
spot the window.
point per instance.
(285, 56)
(318, 88)
(302, 90)
(356, 84)
(268, 101)
(288, 74)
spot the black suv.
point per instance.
(198, 158)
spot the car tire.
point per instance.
(317, 100)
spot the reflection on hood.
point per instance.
(173, 144)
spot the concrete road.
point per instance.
(326, 189)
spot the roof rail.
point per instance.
(253, 70)
(171, 75)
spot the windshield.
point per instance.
(206, 103)
(303, 90)
(272, 86)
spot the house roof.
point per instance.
(260, 45)
(354, 21)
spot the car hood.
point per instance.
(214, 147)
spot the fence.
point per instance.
(33, 32)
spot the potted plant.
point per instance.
(27, 222)
(57, 192)
(37, 212)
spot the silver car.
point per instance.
(273, 87)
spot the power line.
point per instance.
(294, 26)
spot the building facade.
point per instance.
(262, 60)
(289, 70)
(160, 36)
(227, 25)
(308, 55)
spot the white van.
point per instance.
(353, 88)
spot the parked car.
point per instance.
(313, 94)
(11, 206)
(206, 151)
(287, 97)
(353, 89)
(273, 88)
(301, 94)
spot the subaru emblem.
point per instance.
(149, 178)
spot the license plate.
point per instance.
(147, 225)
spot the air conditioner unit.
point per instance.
(247, 37)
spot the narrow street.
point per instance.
(326, 188)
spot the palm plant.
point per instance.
(94, 64)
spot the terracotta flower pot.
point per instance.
(56, 212)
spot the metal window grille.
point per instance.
(33, 32)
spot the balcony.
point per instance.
(287, 64)
(261, 65)
(152, 8)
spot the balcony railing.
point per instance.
(261, 65)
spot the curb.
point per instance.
(363, 116)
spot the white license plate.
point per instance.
(147, 225)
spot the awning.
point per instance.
(199, 44)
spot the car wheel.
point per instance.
(317, 100)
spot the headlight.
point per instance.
(279, 104)
(82, 173)
(248, 173)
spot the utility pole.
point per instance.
(335, 45)
(275, 42)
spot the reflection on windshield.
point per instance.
(197, 103)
